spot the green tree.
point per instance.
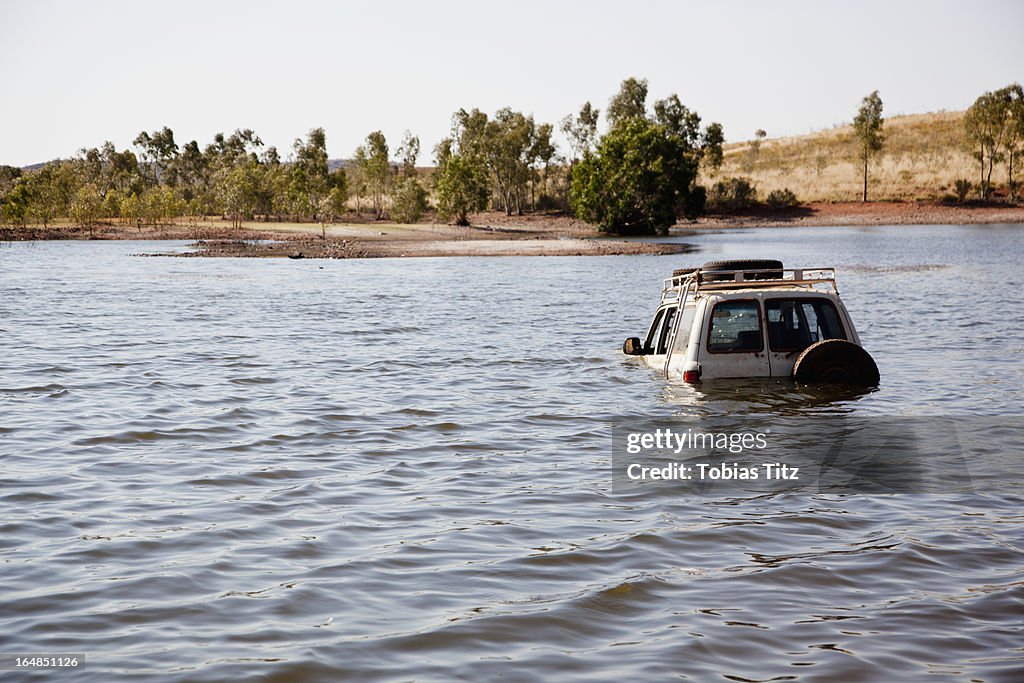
(331, 206)
(542, 151)
(678, 120)
(111, 205)
(242, 192)
(107, 169)
(14, 199)
(125, 175)
(581, 131)
(9, 177)
(131, 210)
(638, 181)
(506, 145)
(1014, 98)
(309, 182)
(193, 169)
(985, 124)
(408, 151)
(159, 205)
(629, 103)
(158, 150)
(409, 202)
(51, 189)
(712, 145)
(867, 129)
(87, 205)
(376, 169)
(338, 180)
(356, 176)
(17, 204)
(460, 182)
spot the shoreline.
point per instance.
(495, 234)
(829, 214)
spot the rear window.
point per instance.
(795, 324)
(735, 327)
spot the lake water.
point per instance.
(286, 470)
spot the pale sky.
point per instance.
(76, 73)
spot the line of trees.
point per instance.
(637, 177)
(993, 129)
(507, 162)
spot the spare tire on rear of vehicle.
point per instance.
(772, 268)
(683, 271)
(836, 361)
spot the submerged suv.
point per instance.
(753, 318)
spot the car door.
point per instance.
(793, 324)
(734, 344)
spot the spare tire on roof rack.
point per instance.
(678, 272)
(836, 361)
(771, 269)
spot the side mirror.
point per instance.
(633, 347)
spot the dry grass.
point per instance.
(923, 155)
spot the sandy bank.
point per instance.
(495, 234)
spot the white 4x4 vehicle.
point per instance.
(754, 318)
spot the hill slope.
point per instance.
(923, 155)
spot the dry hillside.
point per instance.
(923, 155)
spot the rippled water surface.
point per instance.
(399, 470)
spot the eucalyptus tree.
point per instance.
(542, 151)
(507, 145)
(107, 169)
(51, 190)
(988, 125)
(409, 198)
(711, 143)
(629, 103)
(308, 182)
(9, 177)
(87, 205)
(356, 176)
(581, 130)
(407, 152)
(678, 120)
(372, 155)
(158, 151)
(867, 129)
(1014, 95)
(460, 182)
(17, 204)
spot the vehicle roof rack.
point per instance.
(697, 280)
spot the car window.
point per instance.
(735, 327)
(652, 334)
(666, 330)
(795, 324)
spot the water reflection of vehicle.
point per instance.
(754, 318)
